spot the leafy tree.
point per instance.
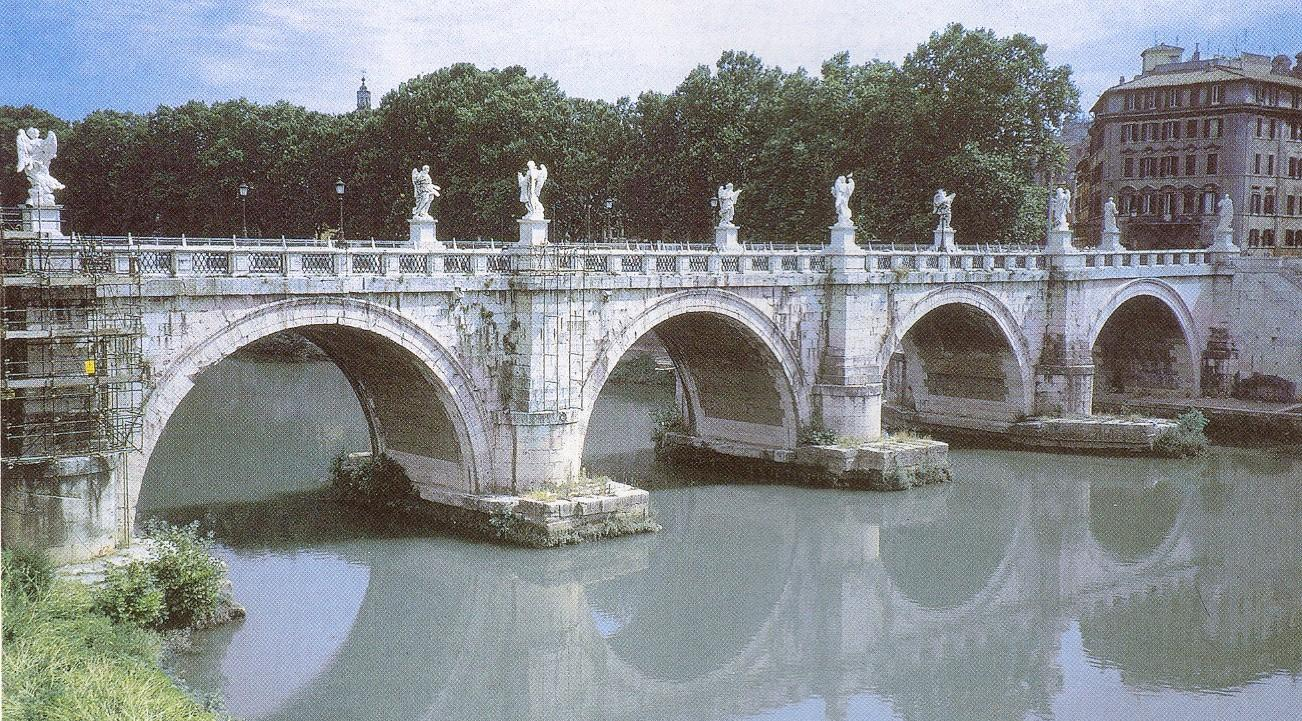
(967, 110)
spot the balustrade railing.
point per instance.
(236, 257)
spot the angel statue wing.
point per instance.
(49, 146)
(24, 150)
(542, 178)
(414, 172)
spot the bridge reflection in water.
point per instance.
(991, 597)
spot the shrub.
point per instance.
(1186, 439)
(667, 419)
(815, 434)
(373, 481)
(186, 572)
(27, 571)
(131, 594)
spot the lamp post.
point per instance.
(610, 219)
(339, 191)
(244, 214)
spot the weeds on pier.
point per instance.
(1188, 437)
(380, 482)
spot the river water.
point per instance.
(1033, 586)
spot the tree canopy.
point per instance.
(968, 111)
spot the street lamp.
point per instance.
(339, 191)
(610, 219)
(244, 214)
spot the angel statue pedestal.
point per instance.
(943, 239)
(533, 232)
(424, 234)
(44, 220)
(725, 238)
(1058, 242)
(842, 241)
(1110, 242)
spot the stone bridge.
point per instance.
(477, 365)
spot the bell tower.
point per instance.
(363, 95)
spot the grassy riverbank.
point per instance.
(64, 658)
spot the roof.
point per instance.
(1209, 74)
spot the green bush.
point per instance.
(131, 594)
(667, 419)
(374, 481)
(186, 572)
(26, 570)
(1188, 438)
(815, 434)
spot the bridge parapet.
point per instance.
(235, 257)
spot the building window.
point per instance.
(1209, 201)
(1260, 123)
(1128, 168)
(1256, 164)
(1268, 239)
(1270, 165)
(1189, 203)
(1218, 94)
(1292, 208)
(1191, 128)
(1147, 207)
(1211, 164)
(1274, 127)
(1255, 206)
(1268, 207)
(1191, 165)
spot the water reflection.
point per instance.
(1031, 581)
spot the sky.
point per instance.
(74, 56)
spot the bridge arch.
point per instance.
(737, 374)
(417, 399)
(983, 318)
(1164, 356)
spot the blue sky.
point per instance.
(73, 56)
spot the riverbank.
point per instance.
(64, 658)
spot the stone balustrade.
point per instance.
(236, 257)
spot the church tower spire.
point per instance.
(363, 95)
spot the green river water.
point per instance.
(1033, 586)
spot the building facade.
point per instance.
(1169, 142)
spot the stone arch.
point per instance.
(333, 323)
(990, 308)
(1171, 299)
(775, 372)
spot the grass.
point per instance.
(580, 485)
(64, 660)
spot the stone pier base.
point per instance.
(882, 465)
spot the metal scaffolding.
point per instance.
(71, 377)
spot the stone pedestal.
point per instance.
(842, 241)
(1059, 241)
(533, 232)
(725, 239)
(1110, 241)
(424, 234)
(1223, 242)
(43, 219)
(943, 239)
